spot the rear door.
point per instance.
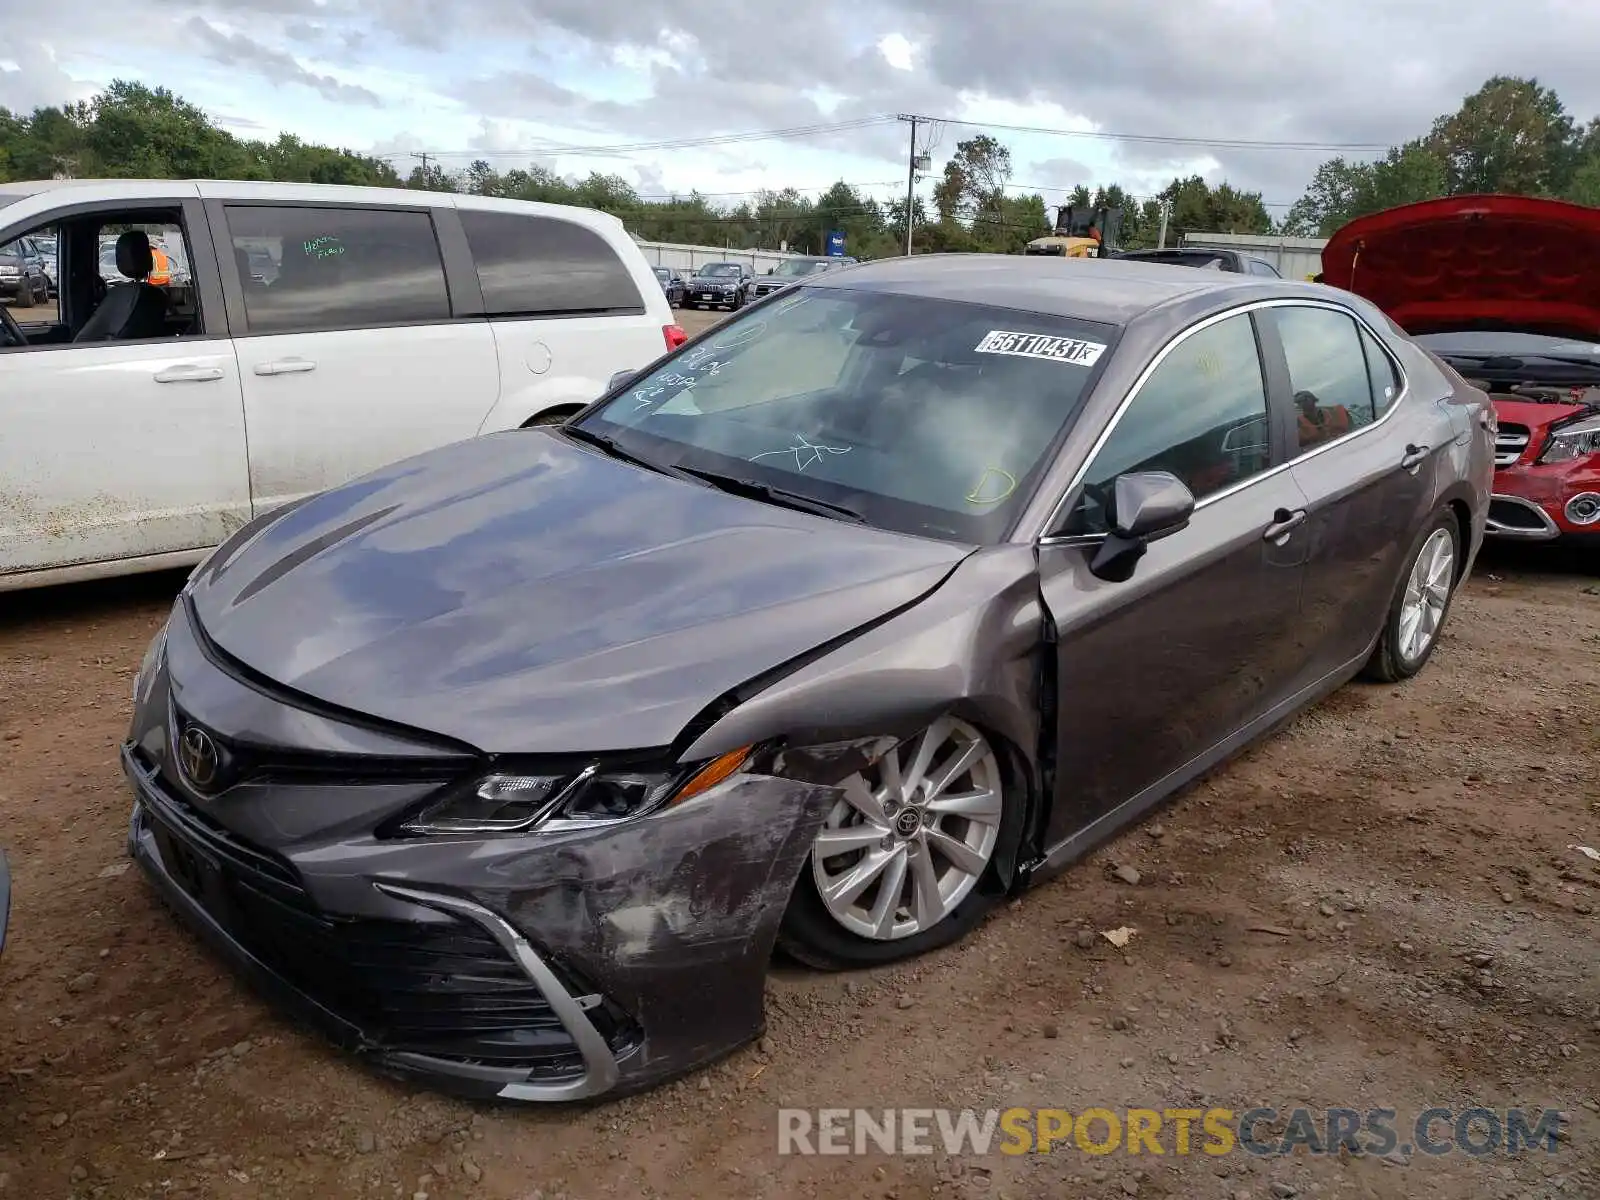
(567, 313)
(1363, 457)
(351, 352)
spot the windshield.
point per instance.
(663, 273)
(720, 270)
(799, 267)
(930, 417)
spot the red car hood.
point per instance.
(1475, 262)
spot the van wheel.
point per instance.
(1420, 605)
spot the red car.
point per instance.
(1505, 289)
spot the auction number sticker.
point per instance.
(1041, 345)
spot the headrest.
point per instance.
(133, 254)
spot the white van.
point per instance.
(312, 334)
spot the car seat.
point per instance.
(132, 310)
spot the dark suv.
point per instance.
(24, 279)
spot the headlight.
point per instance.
(152, 658)
(1573, 441)
(510, 804)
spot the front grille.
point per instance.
(240, 762)
(444, 988)
(1509, 444)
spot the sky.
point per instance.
(1135, 91)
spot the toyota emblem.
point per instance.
(197, 755)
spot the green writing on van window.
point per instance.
(323, 247)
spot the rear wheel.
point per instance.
(904, 861)
(1421, 603)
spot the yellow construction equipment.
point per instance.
(1082, 231)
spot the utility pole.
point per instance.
(911, 179)
(424, 156)
(1161, 239)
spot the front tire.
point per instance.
(904, 863)
(1421, 603)
(25, 296)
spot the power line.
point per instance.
(546, 147)
(669, 196)
(624, 148)
(1042, 187)
(1164, 140)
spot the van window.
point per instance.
(542, 266)
(336, 268)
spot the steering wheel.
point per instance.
(10, 329)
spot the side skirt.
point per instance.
(1076, 845)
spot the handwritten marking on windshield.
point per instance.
(1074, 351)
(993, 479)
(806, 454)
(739, 335)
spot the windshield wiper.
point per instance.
(1520, 362)
(610, 446)
(776, 495)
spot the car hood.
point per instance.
(701, 280)
(1475, 262)
(522, 593)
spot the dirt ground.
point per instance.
(1377, 907)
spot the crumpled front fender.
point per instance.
(673, 918)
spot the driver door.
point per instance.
(120, 449)
(1159, 675)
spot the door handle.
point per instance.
(285, 366)
(188, 373)
(1415, 456)
(1283, 524)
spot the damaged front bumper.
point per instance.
(547, 968)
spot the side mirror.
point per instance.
(1145, 507)
(770, 270)
(620, 379)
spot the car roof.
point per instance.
(136, 190)
(1111, 290)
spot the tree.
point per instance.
(1511, 135)
(974, 179)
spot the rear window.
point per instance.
(337, 268)
(542, 266)
(1207, 260)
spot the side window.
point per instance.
(1328, 372)
(306, 268)
(1257, 267)
(533, 266)
(1381, 370)
(1202, 415)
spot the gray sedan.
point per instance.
(512, 763)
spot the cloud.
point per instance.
(240, 50)
(1365, 72)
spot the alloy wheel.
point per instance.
(1427, 593)
(913, 833)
